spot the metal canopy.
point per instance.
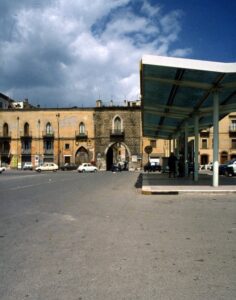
(174, 90)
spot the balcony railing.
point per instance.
(4, 152)
(81, 135)
(5, 135)
(25, 151)
(26, 135)
(48, 151)
(117, 132)
(47, 134)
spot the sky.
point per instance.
(65, 53)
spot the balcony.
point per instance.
(48, 135)
(117, 135)
(48, 151)
(25, 151)
(81, 136)
(26, 135)
(5, 152)
(5, 135)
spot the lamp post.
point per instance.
(58, 140)
(38, 142)
(17, 141)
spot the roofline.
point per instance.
(191, 64)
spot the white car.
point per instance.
(28, 166)
(47, 167)
(2, 169)
(87, 167)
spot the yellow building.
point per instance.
(101, 134)
(37, 135)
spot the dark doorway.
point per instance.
(81, 156)
(109, 158)
(223, 157)
(204, 159)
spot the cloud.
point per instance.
(69, 52)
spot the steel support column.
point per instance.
(170, 147)
(186, 149)
(215, 138)
(196, 146)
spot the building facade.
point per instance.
(103, 135)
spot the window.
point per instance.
(48, 128)
(48, 145)
(26, 129)
(81, 128)
(233, 125)
(5, 129)
(233, 143)
(204, 143)
(117, 124)
(153, 143)
(67, 146)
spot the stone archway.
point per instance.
(81, 156)
(117, 152)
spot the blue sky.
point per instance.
(72, 52)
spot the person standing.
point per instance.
(172, 164)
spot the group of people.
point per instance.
(172, 164)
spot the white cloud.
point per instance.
(70, 52)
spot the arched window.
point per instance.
(5, 129)
(117, 124)
(26, 129)
(81, 128)
(48, 128)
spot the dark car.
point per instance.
(222, 168)
(69, 167)
(152, 167)
(116, 168)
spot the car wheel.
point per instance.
(83, 171)
(39, 170)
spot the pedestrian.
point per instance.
(172, 164)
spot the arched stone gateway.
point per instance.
(81, 156)
(117, 152)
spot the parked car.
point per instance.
(209, 166)
(149, 167)
(116, 168)
(69, 167)
(27, 166)
(87, 167)
(47, 167)
(2, 169)
(231, 168)
(222, 168)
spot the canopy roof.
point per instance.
(175, 89)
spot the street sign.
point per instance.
(148, 149)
